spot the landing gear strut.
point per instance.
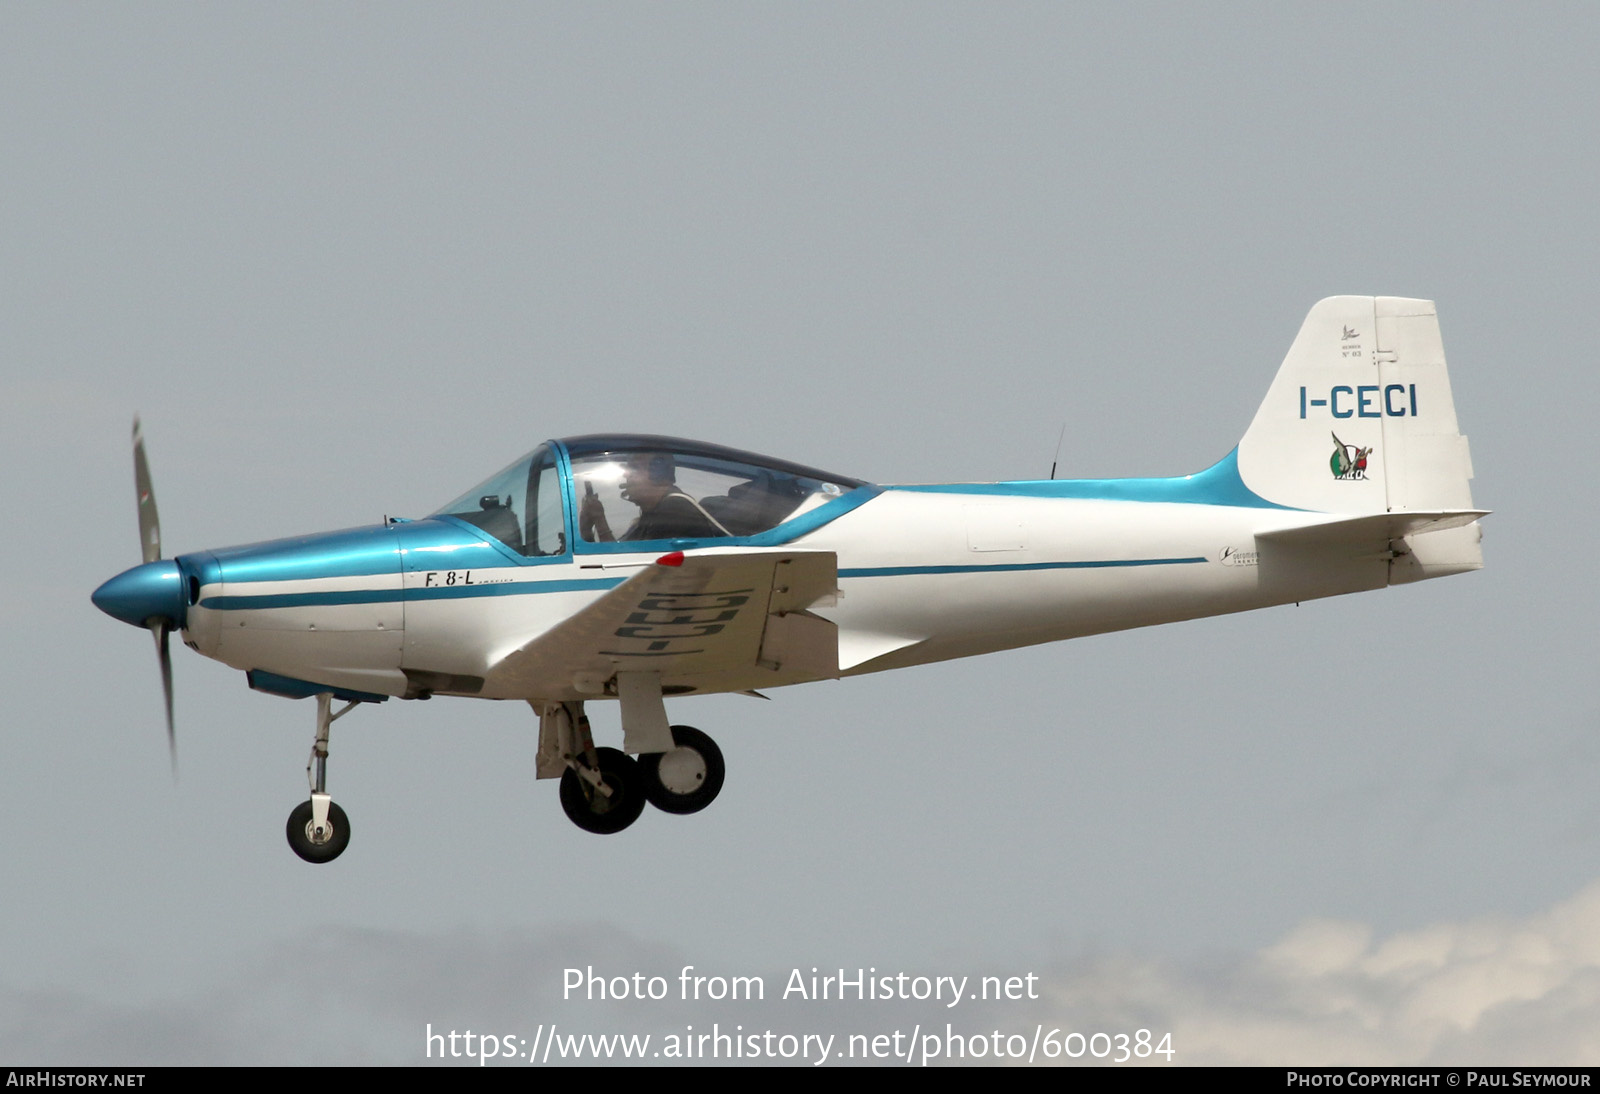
(318, 830)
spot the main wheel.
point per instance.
(331, 846)
(688, 778)
(595, 812)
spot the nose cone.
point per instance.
(152, 591)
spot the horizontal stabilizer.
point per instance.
(1417, 545)
(1376, 527)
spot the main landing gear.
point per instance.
(604, 795)
(688, 778)
(604, 790)
(318, 830)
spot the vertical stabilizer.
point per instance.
(1360, 420)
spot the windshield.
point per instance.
(520, 506)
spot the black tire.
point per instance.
(596, 813)
(300, 835)
(688, 778)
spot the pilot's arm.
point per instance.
(592, 523)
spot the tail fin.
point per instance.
(1360, 421)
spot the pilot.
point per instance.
(665, 512)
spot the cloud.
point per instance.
(1487, 991)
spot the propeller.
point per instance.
(150, 595)
(150, 542)
(149, 519)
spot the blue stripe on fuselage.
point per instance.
(381, 596)
(529, 588)
(904, 571)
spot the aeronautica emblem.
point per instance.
(1348, 462)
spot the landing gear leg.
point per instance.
(602, 790)
(318, 830)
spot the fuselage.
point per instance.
(925, 573)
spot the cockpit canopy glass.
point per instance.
(521, 506)
(639, 488)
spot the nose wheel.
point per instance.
(318, 841)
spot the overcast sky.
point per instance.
(348, 260)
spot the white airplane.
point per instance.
(640, 567)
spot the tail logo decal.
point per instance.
(1349, 462)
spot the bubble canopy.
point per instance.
(623, 489)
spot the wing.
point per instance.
(711, 622)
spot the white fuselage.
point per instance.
(923, 576)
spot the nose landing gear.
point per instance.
(318, 830)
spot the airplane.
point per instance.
(636, 568)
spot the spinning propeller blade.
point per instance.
(162, 629)
(150, 595)
(149, 519)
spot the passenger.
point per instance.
(649, 480)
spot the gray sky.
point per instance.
(346, 261)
